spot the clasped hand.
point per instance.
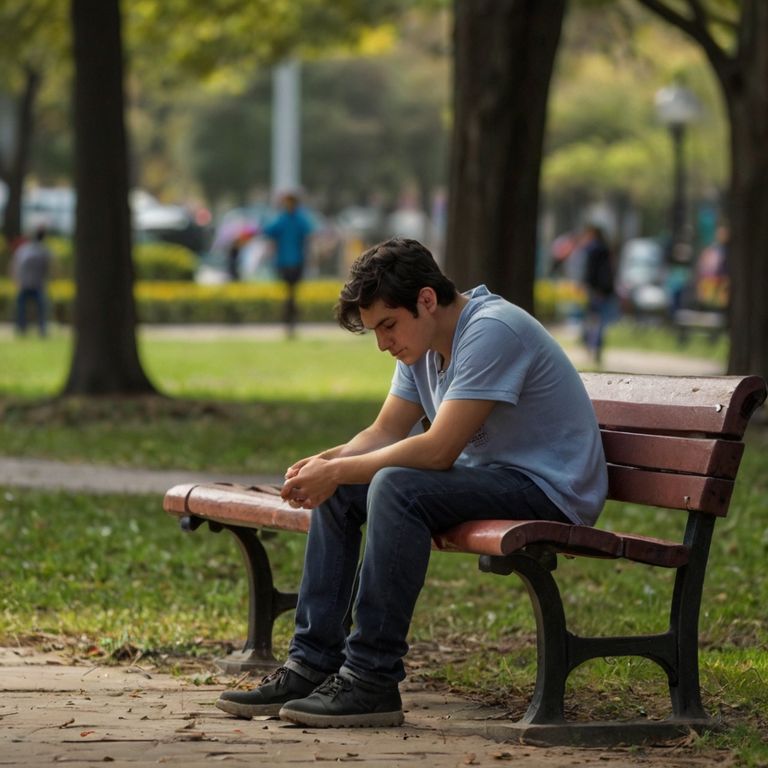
(308, 483)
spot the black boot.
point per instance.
(275, 689)
(343, 701)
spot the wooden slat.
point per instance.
(503, 537)
(500, 537)
(708, 404)
(644, 549)
(258, 507)
(701, 456)
(661, 489)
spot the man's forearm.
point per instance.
(368, 440)
(417, 452)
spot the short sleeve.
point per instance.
(491, 363)
(403, 384)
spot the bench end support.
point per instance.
(599, 734)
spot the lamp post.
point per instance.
(286, 136)
(677, 107)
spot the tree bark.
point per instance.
(105, 358)
(743, 78)
(503, 59)
(19, 161)
(746, 94)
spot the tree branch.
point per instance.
(695, 27)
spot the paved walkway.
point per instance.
(53, 712)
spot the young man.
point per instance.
(512, 436)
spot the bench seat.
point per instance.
(260, 507)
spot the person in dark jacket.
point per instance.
(598, 281)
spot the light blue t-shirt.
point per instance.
(543, 423)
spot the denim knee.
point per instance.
(390, 481)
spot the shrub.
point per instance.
(262, 302)
(164, 261)
(152, 260)
(184, 302)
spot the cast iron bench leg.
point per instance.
(551, 635)
(685, 691)
(265, 603)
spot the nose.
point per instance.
(382, 340)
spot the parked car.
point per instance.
(153, 220)
(54, 209)
(641, 277)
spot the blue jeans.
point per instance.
(402, 508)
(36, 296)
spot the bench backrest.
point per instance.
(673, 442)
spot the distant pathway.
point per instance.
(94, 478)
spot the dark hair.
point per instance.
(393, 271)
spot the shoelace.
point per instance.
(333, 686)
(279, 672)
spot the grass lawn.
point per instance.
(112, 576)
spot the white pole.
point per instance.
(286, 138)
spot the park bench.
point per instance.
(670, 442)
(709, 321)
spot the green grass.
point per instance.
(243, 405)
(627, 334)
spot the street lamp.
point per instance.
(677, 107)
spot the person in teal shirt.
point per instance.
(289, 233)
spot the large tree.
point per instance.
(105, 358)
(197, 37)
(503, 60)
(734, 37)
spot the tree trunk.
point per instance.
(105, 359)
(746, 94)
(743, 77)
(19, 162)
(503, 59)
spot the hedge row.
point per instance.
(181, 302)
(152, 260)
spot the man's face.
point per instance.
(398, 332)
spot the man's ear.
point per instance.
(428, 298)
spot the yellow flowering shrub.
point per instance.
(257, 302)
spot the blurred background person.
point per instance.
(598, 282)
(289, 233)
(712, 279)
(30, 269)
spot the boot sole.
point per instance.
(247, 711)
(362, 720)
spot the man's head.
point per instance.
(394, 272)
(290, 201)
